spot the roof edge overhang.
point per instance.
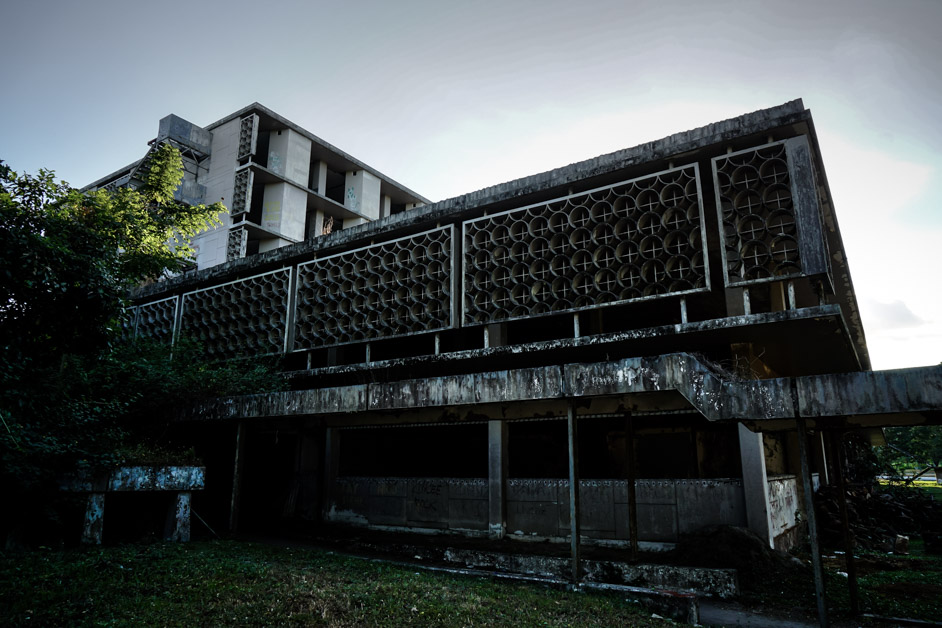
(675, 382)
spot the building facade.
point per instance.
(622, 350)
(281, 184)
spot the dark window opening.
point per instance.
(458, 451)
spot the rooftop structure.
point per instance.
(281, 184)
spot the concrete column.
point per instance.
(310, 463)
(94, 519)
(821, 458)
(180, 518)
(497, 477)
(574, 531)
(331, 467)
(321, 178)
(237, 465)
(755, 483)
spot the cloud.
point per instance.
(892, 315)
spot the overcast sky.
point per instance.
(449, 97)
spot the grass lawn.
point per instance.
(237, 583)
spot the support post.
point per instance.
(576, 330)
(746, 302)
(497, 477)
(331, 465)
(849, 541)
(94, 519)
(237, 466)
(630, 486)
(180, 518)
(755, 484)
(683, 310)
(819, 591)
(573, 488)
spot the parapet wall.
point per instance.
(539, 508)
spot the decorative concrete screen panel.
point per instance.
(243, 317)
(157, 320)
(768, 211)
(248, 135)
(638, 239)
(395, 288)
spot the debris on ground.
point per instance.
(881, 519)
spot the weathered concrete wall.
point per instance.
(220, 183)
(540, 507)
(436, 503)
(141, 478)
(784, 506)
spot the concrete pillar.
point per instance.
(386, 208)
(321, 181)
(362, 194)
(331, 467)
(821, 458)
(94, 519)
(497, 465)
(238, 463)
(179, 528)
(310, 464)
(574, 528)
(755, 484)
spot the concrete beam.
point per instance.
(716, 398)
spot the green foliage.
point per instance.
(69, 258)
(922, 443)
(72, 395)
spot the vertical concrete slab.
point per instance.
(320, 183)
(331, 465)
(821, 458)
(572, 424)
(180, 510)
(237, 465)
(427, 503)
(94, 519)
(468, 503)
(533, 506)
(755, 484)
(284, 210)
(362, 193)
(289, 154)
(497, 465)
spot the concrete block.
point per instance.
(527, 490)
(468, 514)
(654, 492)
(427, 502)
(533, 518)
(657, 522)
(703, 503)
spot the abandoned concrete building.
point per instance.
(619, 351)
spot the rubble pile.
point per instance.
(740, 549)
(878, 516)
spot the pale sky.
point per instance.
(449, 97)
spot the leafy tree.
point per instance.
(922, 443)
(72, 393)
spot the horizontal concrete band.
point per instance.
(141, 478)
(716, 398)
